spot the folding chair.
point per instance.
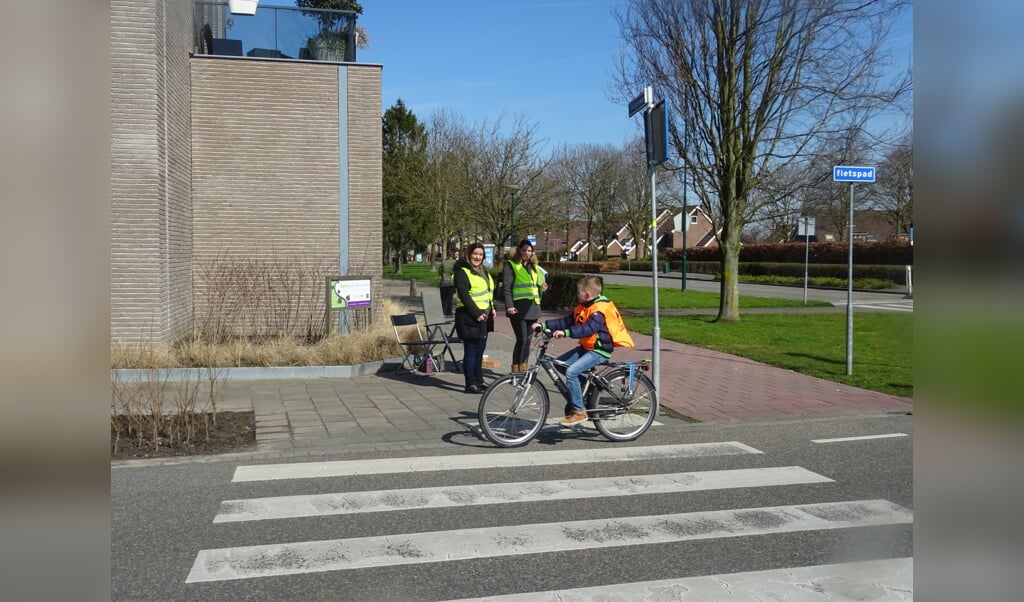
(439, 327)
(418, 348)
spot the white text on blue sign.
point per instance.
(846, 173)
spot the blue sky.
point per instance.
(549, 60)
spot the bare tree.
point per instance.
(446, 186)
(589, 176)
(750, 84)
(829, 201)
(497, 161)
(635, 193)
(894, 190)
(779, 203)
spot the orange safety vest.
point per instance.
(612, 321)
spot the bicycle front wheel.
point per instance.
(511, 413)
(622, 413)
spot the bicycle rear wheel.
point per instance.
(620, 415)
(511, 414)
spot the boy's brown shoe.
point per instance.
(574, 418)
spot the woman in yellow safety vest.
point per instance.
(474, 313)
(522, 283)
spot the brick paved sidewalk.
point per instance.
(413, 409)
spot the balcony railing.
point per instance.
(277, 32)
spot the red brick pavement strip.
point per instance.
(712, 386)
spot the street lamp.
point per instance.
(547, 244)
(513, 189)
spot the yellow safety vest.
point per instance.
(479, 289)
(526, 284)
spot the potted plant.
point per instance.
(331, 42)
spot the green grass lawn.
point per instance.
(640, 297)
(420, 272)
(627, 297)
(812, 344)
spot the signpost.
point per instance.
(656, 134)
(806, 227)
(851, 174)
(345, 293)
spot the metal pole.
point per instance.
(686, 227)
(849, 291)
(656, 338)
(807, 252)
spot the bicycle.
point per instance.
(619, 397)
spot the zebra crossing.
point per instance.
(629, 530)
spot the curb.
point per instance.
(253, 373)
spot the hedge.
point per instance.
(890, 252)
(896, 274)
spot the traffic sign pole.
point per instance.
(849, 293)
(851, 174)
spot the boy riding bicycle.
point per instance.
(597, 324)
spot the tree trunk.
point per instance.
(729, 301)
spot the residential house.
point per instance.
(700, 233)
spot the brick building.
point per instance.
(220, 157)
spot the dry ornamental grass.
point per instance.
(250, 312)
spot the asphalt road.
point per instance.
(166, 545)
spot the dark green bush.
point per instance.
(586, 267)
(889, 252)
(891, 275)
(561, 293)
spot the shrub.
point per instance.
(889, 252)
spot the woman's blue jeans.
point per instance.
(473, 359)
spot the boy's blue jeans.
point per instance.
(580, 360)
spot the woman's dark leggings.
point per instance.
(472, 359)
(521, 328)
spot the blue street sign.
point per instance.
(532, 238)
(849, 173)
(642, 100)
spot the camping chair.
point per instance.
(439, 327)
(418, 348)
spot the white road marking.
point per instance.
(553, 423)
(876, 580)
(904, 306)
(312, 470)
(416, 548)
(295, 506)
(861, 438)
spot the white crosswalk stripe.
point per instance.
(876, 580)
(311, 470)
(294, 506)
(270, 560)
(505, 535)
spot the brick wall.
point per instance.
(265, 183)
(365, 177)
(217, 161)
(150, 169)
